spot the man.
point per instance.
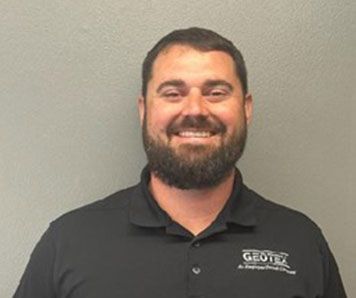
(190, 228)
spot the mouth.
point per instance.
(195, 134)
(196, 129)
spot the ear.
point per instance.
(248, 106)
(141, 108)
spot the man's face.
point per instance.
(194, 117)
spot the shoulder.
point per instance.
(99, 213)
(283, 219)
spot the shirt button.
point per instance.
(196, 244)
(196, 270)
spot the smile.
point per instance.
(195, 134)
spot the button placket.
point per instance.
(196, 244)
(195, 269)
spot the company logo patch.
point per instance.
(254, 259)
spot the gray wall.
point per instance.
(69, 133)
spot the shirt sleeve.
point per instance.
(37, 280)
(333, 286)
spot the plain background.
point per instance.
(69, 130)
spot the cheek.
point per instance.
(231, 116)
(159, 117)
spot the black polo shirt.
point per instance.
(126, 246)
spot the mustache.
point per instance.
(201, 123)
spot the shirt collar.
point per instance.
(241, 207)
(144, 211)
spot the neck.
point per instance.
(194, 209)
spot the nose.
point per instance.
(195, 104)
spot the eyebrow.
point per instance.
(214, 83)
(206, 84)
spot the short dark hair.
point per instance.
(200, 39)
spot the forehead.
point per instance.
(185, 62)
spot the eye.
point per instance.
(217, 94)
(171, 95)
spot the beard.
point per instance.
(194, 166)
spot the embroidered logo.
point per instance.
(254, 259)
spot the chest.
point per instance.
(238, 264)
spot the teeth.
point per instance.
(195, 134)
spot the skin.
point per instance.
(187, 82)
